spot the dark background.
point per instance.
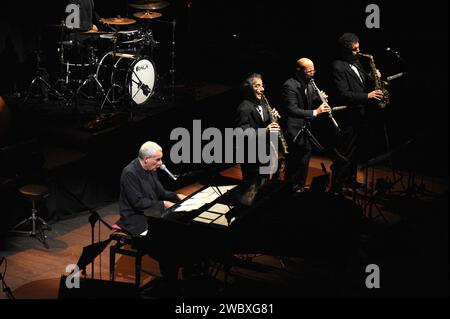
(220, 41)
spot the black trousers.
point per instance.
(354, 145)
(298, 163)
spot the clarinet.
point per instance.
(324, 100)
(275, 120)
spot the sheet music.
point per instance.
(221, 221)
(206, 196)
(209, 215)
(202, 220)
(219, 208)
(188, 208)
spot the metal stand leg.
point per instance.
(38, 226)
(47, 85)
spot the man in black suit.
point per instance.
(301, 104)
(252, 115)
(141, 192)
(354, 88)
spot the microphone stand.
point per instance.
(304, 131)
(5, 287)
(402, 60)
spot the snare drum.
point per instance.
(127, 74)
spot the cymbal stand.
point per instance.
(92, 77)
(113, 85)
(172, 65)
(64, 70)
(172, 54)
(41, 75)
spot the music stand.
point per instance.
(89, 254)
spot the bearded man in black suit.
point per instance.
(355, 89)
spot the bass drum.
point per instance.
(124, 74)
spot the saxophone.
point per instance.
(379, 84)
(275, 120)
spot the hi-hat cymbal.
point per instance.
(119, 21)
(147, 15)
(150, 5)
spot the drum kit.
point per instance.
(115, 66)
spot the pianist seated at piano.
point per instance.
(141, 192)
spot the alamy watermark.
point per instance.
(373, 279)
(73, 277)
(234, 146)
(373, 19)
(73, 19)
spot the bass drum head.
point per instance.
(142, 81)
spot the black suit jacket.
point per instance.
(295, 105)
(247, 116)
(350, 90)
(140, 193)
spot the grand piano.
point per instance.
(228, 217)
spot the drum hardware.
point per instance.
(172, 55)
(123, 73)
(92, 78)
(172, 71)
(41, 77)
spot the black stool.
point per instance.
(38, 225)
(122, 239)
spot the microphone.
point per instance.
(164, 168)
(395, 76)
(388, 49)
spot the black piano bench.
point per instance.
(123, 239)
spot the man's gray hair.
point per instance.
(148, 149)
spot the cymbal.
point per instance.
(150, 5)
(119, 21)
(96, 32)
(147, 15)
